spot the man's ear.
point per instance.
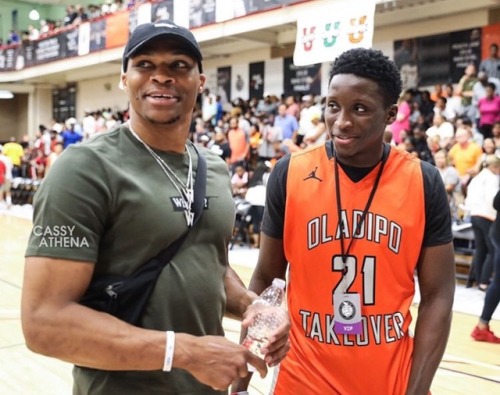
(123, 82)
(203, 80)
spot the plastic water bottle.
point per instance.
(269, 317)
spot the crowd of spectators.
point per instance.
(75, 14)
(452, 127)
(34, 158)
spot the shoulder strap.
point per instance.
(200, 186)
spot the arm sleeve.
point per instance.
(437, 210)
(71, 207)
(274, 211)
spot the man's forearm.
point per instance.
(85, 337)
(431, 336)
(238, 298)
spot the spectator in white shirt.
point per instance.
(479, 201)
(442, 128)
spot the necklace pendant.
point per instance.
(189, 217)
(188, 195)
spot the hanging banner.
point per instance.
(28, 50)
(256, 80)
(117, 26)
(8, 58)
(323, 34)
(224, 84)
(163, 10)
(139, 15)
(262, 5)
(97, 35)
(48, 49)
(84, 39)
(69, 43)
(201, 12)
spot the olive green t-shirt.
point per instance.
(108, 202)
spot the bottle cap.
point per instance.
(278, 282)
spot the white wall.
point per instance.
(211, 82)
(433, 26)
(42, 106)
(273, 76)
(14, 116)
(100, 93)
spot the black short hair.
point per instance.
(420, 128)
(492, 86)
(466, 121)
(374, 65)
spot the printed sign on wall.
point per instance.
(300, 80)
(465, 48)
(224, 84)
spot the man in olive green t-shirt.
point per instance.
(110, 204)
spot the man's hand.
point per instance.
(278, 345)
(276, 348)
(214, 360)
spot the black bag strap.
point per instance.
(200, 187)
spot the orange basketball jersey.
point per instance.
(380, 268)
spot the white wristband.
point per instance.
(169, 351)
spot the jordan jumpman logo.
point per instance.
(312, 174)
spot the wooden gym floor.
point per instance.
(468, 367)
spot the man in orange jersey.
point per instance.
(353, 221)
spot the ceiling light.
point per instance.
(34, 15)
(6, 94)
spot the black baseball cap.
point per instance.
(146, 32)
